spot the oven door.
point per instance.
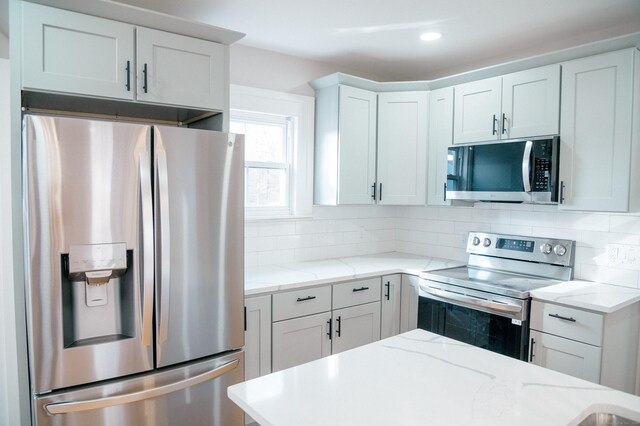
(493, 322)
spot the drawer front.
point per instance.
(574, 324)
(293, 304)
(356, 292)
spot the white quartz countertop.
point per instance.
(603, 298)
(273, 278)
(420, 378)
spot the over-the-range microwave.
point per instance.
(517, 171)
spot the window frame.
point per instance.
(300, 111)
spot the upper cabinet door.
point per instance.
(402, 147)
(477, 111)
(357, 145)
(74, 53)
(531, 103)
(179, 70)
(596, 132)
(440, 138)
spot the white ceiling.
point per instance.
(380, 37)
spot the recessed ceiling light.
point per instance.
(430, 36)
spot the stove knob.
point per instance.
(476, 241)
(545, 248)
(486, 242)
(560, 250)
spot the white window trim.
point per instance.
(246, 98)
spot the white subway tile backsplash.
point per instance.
(608, 245)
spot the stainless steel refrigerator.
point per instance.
(134, 260)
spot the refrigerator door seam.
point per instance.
(147, 237)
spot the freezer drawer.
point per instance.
(193, 394)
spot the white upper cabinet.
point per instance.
(596, 134)
(345, 145)
(179, 70)
(440, 138)
(402, 147)
(522, 104)
(74, 53)
(477, 111)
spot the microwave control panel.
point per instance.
(542, 166)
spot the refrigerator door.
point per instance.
(199, 220)
(89, 256)
(194, 395)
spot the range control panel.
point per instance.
(532, 249)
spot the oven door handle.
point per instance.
(470, 300)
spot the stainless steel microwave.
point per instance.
(517, 171)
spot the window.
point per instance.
(278, 129)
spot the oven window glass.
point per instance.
(497, 167)
(488, 331)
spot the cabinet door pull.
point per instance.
(445, 191)
(388, 286)
(360, 289)
(245, 318)
(561, 191)
(144, 74)
(504, 123)
(563, 318)
(338, 326)
(128, 85)
(531, 352)
(495, 121)
(329, 333)
(380, 196)
(373, 196)
(302, 299)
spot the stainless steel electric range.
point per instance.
(486, 303)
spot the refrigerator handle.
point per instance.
(165, 264)
(110, 401)
(147, 247)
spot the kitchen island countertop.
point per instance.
(419, 378)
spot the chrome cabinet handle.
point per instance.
(165, 244)
(526, 167)
(110, 401)
(570, 319)
(144, 163)
(561, 191)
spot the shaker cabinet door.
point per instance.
(477, 111)
(402, 147)
(179, 70)
(596, 132)
(409, 303)
(440, 138)
(390, 323)
(257, 337)
(69, 52)
(355, 326)
(300, 340)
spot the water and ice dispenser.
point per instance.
(98, 294)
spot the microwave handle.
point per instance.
(526, 166)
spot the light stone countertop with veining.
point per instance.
(273, 278)
(420, 378)
(602, 298)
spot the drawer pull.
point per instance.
(360, 289)
(302, 299)
(562, 318)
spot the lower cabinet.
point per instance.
(257, 339)
(390, 305)
(409, 303)
(595, 346)
(355, 326)
(300, 340)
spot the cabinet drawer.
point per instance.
(574, 324)
(356, 293)
(298, 303)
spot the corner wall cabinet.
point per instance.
(522, 104)
(599, 150)
(440, 138)
(601, 348)
(369, 147)
(72, 53)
